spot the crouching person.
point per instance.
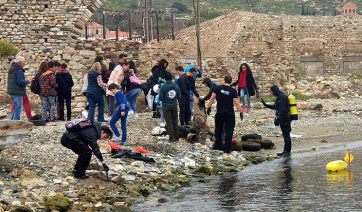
(79, 142)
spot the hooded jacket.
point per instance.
(187, 84)
(88, 136)
(169, 94)
(250, 83)
(48, 84)
(16, 80)
(211, 85)
(281, 105)
(64, 81)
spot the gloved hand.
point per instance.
(106, 168)
(161, 80)
(241, 116)
(276, 121)
(262, 101)
(208, 111)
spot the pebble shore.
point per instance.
(37, 171)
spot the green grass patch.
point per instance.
(300, 96)
(8, 49)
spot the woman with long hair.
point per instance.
(131, 88)
(246, 85)
(95, 92)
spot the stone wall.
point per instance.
(274, 46)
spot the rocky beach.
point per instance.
(36, 173)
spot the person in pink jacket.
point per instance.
(116, 77)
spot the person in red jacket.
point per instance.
(246, 85)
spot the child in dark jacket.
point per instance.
(64, 89)
(121, 112)
(48, 87)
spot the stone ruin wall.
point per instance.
(272, 45)
(276, 45)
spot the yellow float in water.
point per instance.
(338, 165)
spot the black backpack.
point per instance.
(35, 83)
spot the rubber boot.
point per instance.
(287, 146)
(281, 153)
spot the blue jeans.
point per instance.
(191, 105)
(48, 100)
(131, 97)
(244, 91)
(18, 107)
(94, 100)
(116, 116)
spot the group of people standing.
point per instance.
(53, 82)
(118, 85)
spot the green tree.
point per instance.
(181, 7)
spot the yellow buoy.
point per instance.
(338, 165)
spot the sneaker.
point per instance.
(162, 124)
(124, 143)
(247, 111)
(135, 115)
(155, 116)
(107, 118)
(243, 108)
(85, 114)
(116, 138)
(130, 112)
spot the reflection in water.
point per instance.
(284, 190)
(340, 177)
(227, 191)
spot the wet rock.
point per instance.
(162, 200)
(58, 203)
(121, 208)
(259, 159)
(204, 170)
(118, 179)
(166, 187)
(23, 209)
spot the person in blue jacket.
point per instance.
(198, 75)
(121, 112)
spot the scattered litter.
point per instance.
(314, 148)
(157, 131)
(295, 136)
(141, 150)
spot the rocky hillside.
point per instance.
(289, 7)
